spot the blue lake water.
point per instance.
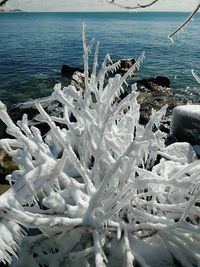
(33, 47)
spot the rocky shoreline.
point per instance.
(154, 92)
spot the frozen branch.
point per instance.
(197, 78)
(189, 18)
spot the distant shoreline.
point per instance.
(120, 12)
(11, 11)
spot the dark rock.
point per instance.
(165, 126)
(51, 106)
(148, 100)
(162, 81)
(159, 84)
(77, 74)
(170, 139)
(125, 65)
(78, 80)
(2, 129)
(17, 111)
(68, 70)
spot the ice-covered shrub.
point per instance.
(99, 189)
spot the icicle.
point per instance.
(99, 259)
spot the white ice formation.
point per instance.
(99, 190)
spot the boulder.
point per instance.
(16, 112)
(77, 76)
(170, 139)
(68, 70)
(185, 124)
(175, 157)
(180, 152)
(159, 84)
(125, 65)
(149, 100)
(78, 80)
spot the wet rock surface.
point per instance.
(68, 70)
(18, 110)
(124, 65)
(154, 92)
(159, 84)
(147, 101)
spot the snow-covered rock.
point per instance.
(186, 123)
(180, 152)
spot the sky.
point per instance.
(99, 5)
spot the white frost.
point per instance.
(93, 189)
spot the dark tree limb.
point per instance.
(185, 22)
(132, 7)
(188, 19)
(148, 5)
(3, 2)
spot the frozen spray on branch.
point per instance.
(92, 192)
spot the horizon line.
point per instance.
(92, 11)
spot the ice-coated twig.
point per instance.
(129, 255)
(38, 220)
(189, 18)
(99, 260)
(175, 251)
(197, 78)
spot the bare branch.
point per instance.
(185, 22)
(148, 5)
(197, 78)
(132, 7)
(113, 2)
(3, 2)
